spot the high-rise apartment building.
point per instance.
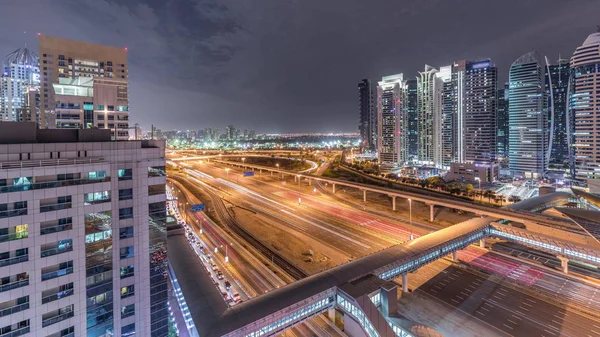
(502, 130)
(392, 120)
(83, 85)
(557, 86)
(450, 99)
(83, 228)
(585, 110)
(527, 118)
(20, 70)
(411, 112)
(365, 117)
(429, 110)
(479, 117)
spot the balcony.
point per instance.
(57, 248)
(15, 308)
(59, 315)
(56, 226)
(13, 212)
(55, 207)
(14, 236)
(57, 270)
(51, 184)
(14, 260)
(57, 296)
(15, 333)
(50, 162)
(14, 285)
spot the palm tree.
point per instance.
(489, 194)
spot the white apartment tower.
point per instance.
(429, 111)
(585, 110)
(82, 234)
(392, 120)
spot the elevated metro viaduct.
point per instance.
(429, 198)
(360, 290)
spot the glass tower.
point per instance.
(527, 118)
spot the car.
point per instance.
(236, 298)
(227, 285)
(214, 266)
(220, 275)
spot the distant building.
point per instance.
(557, 86)
(502, 129)
(84, 244)
(365, 115)
(413, 122)
(20, 70)
(30, 109)
(83, 85)
(528, 119)
(479, 121)
(483, 172)
(392, 144)
(230, 132)
(468, 112)
(252, 135)
(585, 110)
(429, 110)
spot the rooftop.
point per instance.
(27, 133)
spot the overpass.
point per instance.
(360, 290)
(430, 198)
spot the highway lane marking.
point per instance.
(494, 296)
(481, 313)
(508, 326)
(455, 301)
(460, 297)
(520, 307)
(596, 332)
(486, 309)
(527, 304)
(462, 292)
(472, 286)
(517, 317)
(513, 322)
(530, 300)
(550, 332)
(553, 321)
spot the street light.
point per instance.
(410, 216)
(227, 170)
(479, 181)
(244, 162)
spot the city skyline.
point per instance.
(195, 88)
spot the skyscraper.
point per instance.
(528, 119)
(429, 110)
(20, 70)
(83, 85)
(392, 120)
(450, 94)
(479, 117)
(84, 233)
(411, 112)
(585, 110)
(556, 86)
(502, 125)
(365, 106)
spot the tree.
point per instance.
(489, 194)
(469, 189)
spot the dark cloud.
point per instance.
(291, 65)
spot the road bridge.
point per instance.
(429, 198)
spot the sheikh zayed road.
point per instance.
(262, 228)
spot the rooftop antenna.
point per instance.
(25, 32)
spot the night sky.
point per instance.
(290, 65)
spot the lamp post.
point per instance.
(227, 171)
(244, 162)
(410, 216)
(479, 181)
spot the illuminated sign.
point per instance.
(480, 65)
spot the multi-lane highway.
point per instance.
(354, 232)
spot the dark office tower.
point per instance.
(413, 127)
(527, 118)
(502, 125)
(365, 103)
(557, 83)
(479, 128)
(374, 129)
